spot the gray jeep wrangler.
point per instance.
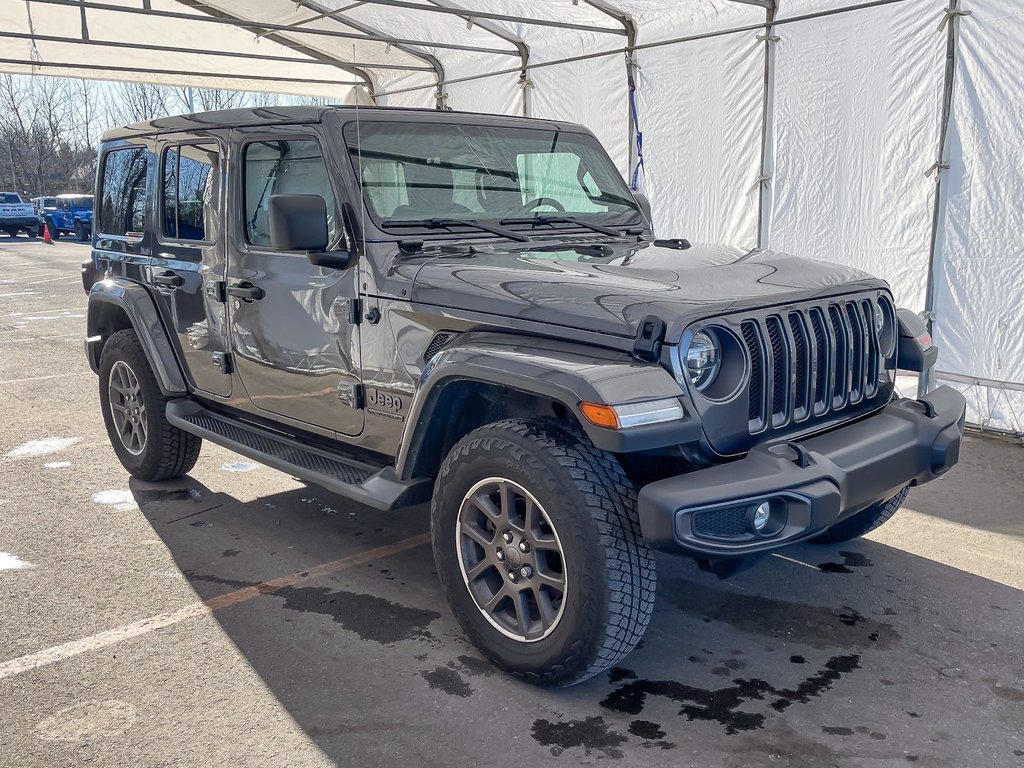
(405, 306)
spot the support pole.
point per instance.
(767, 168)
(951, 24)
(629, 26)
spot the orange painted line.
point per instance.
(149, 624)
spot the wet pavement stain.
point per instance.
(722, 705)
(372, 618)
(851, 560)
(230, 553)
(816, 684)
(618, 674)
(447, 680)
(764, 616)
(645, 729)
(592, 734)
(474, 667)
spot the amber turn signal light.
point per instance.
(601, 415)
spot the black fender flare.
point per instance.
(134, 300)
(564, 372)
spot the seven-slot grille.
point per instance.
(810, 360)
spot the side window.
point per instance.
(293, 167)
(190, 191)
(123, 192)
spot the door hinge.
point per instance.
(222, 362)
(351, 395)
(217, 290)
(350, 309)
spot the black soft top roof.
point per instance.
(228, 118)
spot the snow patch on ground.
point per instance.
(9, 562)
(41, 447)
(121, 500)
(57, 464)
(240, 466)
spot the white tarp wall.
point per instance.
(825, 139)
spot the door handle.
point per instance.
(169, 280)
(246, 291)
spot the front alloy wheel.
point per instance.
(538, 546)
(511, 559)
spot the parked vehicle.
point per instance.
(405, 305)
(44, 205)
(71, 214)
(17, 216)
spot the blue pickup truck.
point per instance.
(71, 213)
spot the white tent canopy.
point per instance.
(885, 134)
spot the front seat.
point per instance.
(430, 190)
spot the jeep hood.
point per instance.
(612, 288)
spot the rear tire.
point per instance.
(864, 521)
(585, 537)
(148, 446)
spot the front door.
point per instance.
(187, 269)
(294, 349)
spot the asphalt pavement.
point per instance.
(239, 617)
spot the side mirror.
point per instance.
(298, 223)
(645, 206)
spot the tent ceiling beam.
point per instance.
(200, 51)
(508, 37)
(215, 13)
(434, 63)
(74, 65)
(477, 16)
(659, 43)
(267, 26)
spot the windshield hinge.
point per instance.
(649, 336)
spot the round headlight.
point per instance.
(703, 359)
(879, 317)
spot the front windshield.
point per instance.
(415, 172)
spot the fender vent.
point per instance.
(439, 342)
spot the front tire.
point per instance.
(148, 446)
(572, 590)
(862, 522)
(54, 232)
(80, 232)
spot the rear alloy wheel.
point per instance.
(148, 445)
(538, 546)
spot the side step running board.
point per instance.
(374, 486)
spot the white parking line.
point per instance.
(109, 637)
(46, 378)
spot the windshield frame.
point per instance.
(393, 229)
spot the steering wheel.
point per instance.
(537, 202)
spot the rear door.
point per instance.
(294, 349)
(187, 269)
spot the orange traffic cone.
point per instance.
(46, 235)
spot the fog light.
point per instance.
(762, 515)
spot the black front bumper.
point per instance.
(807, 486)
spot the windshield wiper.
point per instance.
(564, 220)
(448, 223)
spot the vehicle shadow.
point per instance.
(852, 652)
